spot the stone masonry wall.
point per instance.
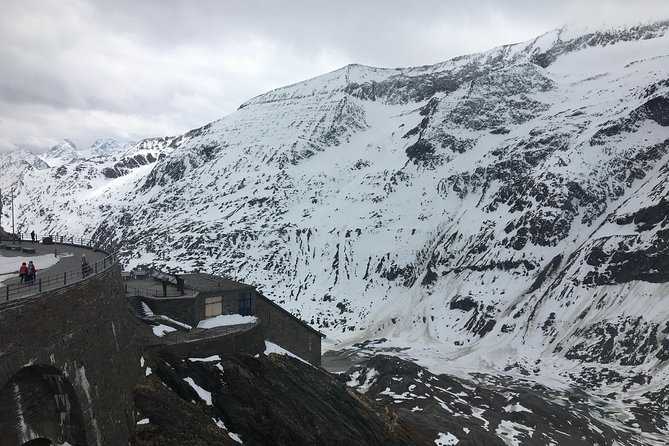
(86, 332)
(182, 309)
(286, 331)
(250, 342)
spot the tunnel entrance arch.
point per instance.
(38, 442)
(38, 406)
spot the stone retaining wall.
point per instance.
(82, 338)
(250, 341)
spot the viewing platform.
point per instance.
(63, 256)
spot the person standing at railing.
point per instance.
(32, 236)
(85, 266)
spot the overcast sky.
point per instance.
(130, 69)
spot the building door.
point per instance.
(245, 303)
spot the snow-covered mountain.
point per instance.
(106, 148)
(502, 211)
(64, 152)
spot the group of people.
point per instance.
(27, 272)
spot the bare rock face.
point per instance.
(381, 400)
(489, 410)
(261, 400)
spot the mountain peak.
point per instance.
(63, 152)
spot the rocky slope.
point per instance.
(503, 212)
(275, 399)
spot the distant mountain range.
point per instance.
(504, 212)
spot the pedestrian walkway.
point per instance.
(65, 271)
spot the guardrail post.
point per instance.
(96, 267)
(65, 278)
(39, 281)
(7, 292)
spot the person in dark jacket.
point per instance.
(85, 266)
(31, 273)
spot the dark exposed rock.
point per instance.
(124, 166)
(657, 109)
(650, 31)
(465, 304)
(421, 152)
(634, 259)
(174, 420)
(473, 411)
(547, 271)
(628, 341)
(264, 400)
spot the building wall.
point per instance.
(251, 342)
(229, 300)
(286, 331)
(85, 334)
(191, 309)
(278, 324)
(182, 309)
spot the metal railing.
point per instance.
(22, 238)
(52, 282)
(198, 334)
(155, 293)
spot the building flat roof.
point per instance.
(209, 282)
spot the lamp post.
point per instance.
(13, 231)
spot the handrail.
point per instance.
(148, 292)
(59, 239)
(55, 281)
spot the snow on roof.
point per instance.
(224, 320)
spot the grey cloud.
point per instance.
(85, 69)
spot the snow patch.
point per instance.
(207, 359)
(271, 347)
(446, 439)
(225, 320)
(203, 394)
(161, 330)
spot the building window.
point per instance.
(244, 303)
(213, 306)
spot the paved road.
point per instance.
(67, 270)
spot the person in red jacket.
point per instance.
(23, 270)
